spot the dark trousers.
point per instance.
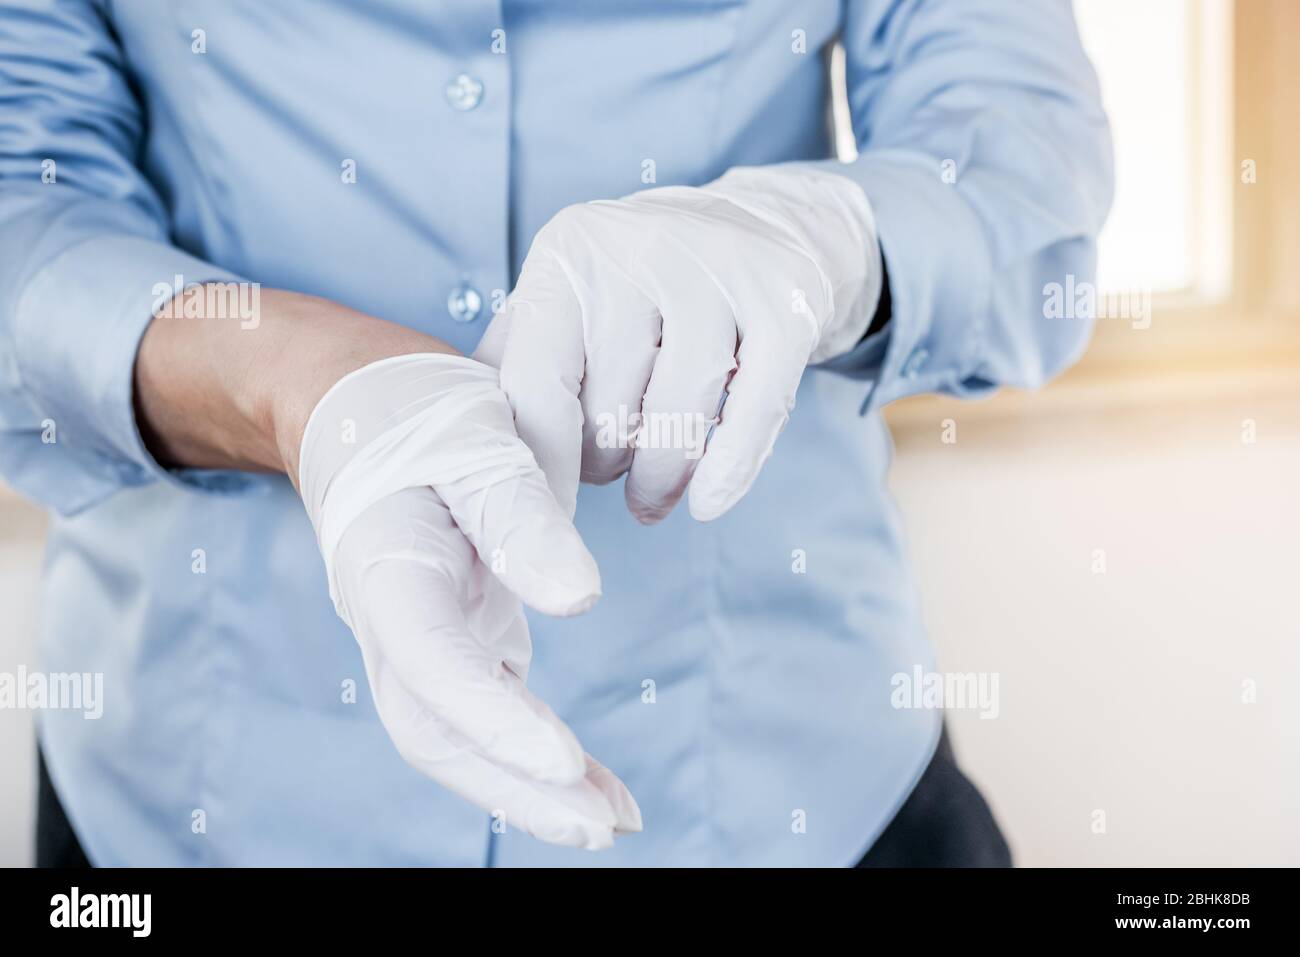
(944, 823)
(56, 842)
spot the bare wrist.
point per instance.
(211, 393)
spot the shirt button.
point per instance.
(914, 362)
(464, 92)
(464, 303)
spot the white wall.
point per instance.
(21, 532)
(1122, 691)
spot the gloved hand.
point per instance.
(432, 516)
(632, 317)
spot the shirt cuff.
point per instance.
(76, 331)
(940, 281)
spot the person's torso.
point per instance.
(735, 674)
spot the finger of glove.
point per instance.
(523, 535)
(697, 356)
(622, 344)
(498, 619)
(775, 343)
(408, 577)
(541, 372)
(577, 814)
(626, 810)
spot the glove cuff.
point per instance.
(831, 219)
(402, 422)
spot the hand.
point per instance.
(634, 319)
(431, 522)
(432, 517)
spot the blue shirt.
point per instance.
(735, 674)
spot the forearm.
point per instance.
(211, 393)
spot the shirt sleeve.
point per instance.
(986, 156)
(84, 250)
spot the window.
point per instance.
(1165, 68)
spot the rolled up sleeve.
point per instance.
(986, 156)
(84, 250)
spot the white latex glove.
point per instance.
(432, 516)
(631, 316)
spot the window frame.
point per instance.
(1244, 338)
